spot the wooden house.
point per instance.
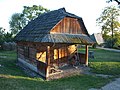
(98, 39)
(50, 40)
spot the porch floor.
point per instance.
(67, 71)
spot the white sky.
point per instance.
(89, 10)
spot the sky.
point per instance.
(89, 10)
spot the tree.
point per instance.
(117, 39)
(31, 13)
(109, 22)
(8, 37)
(5, 37)
(17, 23)
(2, 32)
(118, 1)
(20, 20)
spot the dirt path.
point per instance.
(109, 49)
(115, 85)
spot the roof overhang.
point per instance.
(68, 39)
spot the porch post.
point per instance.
(58, 57)
(86, 55)
(47, 61)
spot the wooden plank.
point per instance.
(67, 25)
(41, 67)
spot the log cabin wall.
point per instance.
(35, 54)
(67, 25)
(30, 50)
(30, 53)
(27, 52)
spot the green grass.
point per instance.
(8, 64)
(105, 56)
(105, 62)
(109, 68)
(81, 82)
(12, 77)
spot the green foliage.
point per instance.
(114, 0)
(109, 42)
(20, 20)
(5, 37)
(117, 39)
(109, 23)
(31, 13)
(2, 32)
(8, 37)
(109, 16)
(17, 23)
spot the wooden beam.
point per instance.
(86, 55)
(67, 54)
(58, 56)
(47, 61)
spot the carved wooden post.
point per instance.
(47, 61)
(86, 55)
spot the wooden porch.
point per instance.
(65, 71)
(64, 66)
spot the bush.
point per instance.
(110, 43)
(94, 45)
(9, 46)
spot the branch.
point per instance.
(116, 1)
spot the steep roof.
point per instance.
(38, 28)
(97, 37)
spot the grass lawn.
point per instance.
(12, 77)
(105, 62)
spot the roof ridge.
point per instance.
(63, 10)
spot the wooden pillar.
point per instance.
(86, 55)
(47, 61)
(58, 57)
(77, 53)
(67, 54)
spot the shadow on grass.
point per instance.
(80, 82)
(8, 61)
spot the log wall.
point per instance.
(29, 56)
(36, 54)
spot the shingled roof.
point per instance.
(38, 30)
